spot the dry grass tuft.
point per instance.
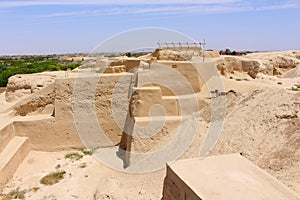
(14, 194)
(73, 156)
(52, 178)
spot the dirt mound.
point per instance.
(274, 63)
(264, 127)
(213, 54)
(230, 64)
(20, 86)
(167, 54)
(178, 53)
(294, 73)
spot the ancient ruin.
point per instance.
(141, 104)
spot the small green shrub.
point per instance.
(279, 83)
(87, 152)
(78, 155)
(294, 89)
(238, 79)
(52, 178)
(14, 194)
(73, 156)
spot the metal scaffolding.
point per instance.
(184, 49)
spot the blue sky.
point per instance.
(67, 26)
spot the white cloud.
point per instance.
(164, 10)
(279, 7)
(174, 9)
(155, 7)
(109, 2)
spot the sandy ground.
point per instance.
(84, 179)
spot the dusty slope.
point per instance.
(264, 126)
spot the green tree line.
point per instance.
(13, 66)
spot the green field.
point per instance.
(10, 66)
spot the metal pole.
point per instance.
(203, 50)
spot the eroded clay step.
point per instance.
(11, 157)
